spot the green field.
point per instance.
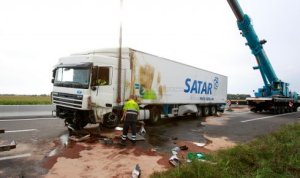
(24, 99)
(274, 155)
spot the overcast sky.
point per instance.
(204, 34)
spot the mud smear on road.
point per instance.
(94, 157)
(63, 148)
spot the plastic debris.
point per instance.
(119, 128)
(153, 150)
(199, 144)
(175, 150)
(136, 172)
(174, 161)
(192, 156)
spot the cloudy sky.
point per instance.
(35, 33)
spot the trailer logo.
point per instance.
(197, 86)
(216, 83)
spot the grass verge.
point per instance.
(24, 99)
(274, 155)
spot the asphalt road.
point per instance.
(34, 137)
(37, 137)
(241, 127)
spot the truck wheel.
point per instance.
(206, 111)
(199, 113)
(78, 122)
(111, 120)
(154, 115)
(213, 110)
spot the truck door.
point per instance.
(102, 88)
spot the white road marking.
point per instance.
(267, 117)
(12, 120)
(15, 156)
(16, 131)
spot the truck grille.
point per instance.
(65, 99)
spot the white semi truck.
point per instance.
(91, 87)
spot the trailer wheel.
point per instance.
(295, 109)
(206, 111)
(213, 110)
(154, 115)
(111, 120)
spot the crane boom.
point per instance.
(264, 65)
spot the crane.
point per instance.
(275, 95)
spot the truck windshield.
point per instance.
(72, 77)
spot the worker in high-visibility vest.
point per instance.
(130, 114)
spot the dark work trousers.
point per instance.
(130, 122)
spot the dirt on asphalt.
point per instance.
(95, 158)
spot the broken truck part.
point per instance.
(7, 147)
(85, 87)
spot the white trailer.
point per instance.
(86, 87)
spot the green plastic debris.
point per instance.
(191, 156)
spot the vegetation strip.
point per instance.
(24, 99)
(273, 155)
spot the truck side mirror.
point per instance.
(52, 80)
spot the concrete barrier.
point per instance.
(25, 110)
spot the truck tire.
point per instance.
(213, 110)
(154, 115)
(111, 120)
(206, 111)
(78, 122)
(199, 113)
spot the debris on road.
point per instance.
(175, 150)
(80, 139)
(199, 144)
(174, 161)
(174, 138)
(7, 147)
(184, 147)
(119, 128)
(192, 156)
(136, 172)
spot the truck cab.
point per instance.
(83, 90)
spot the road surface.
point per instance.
(34, 137)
